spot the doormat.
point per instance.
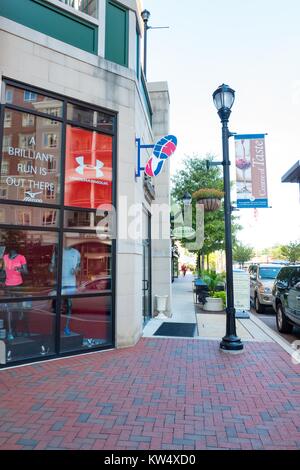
(176, 329)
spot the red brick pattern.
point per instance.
(161, 394)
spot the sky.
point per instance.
(254, 47)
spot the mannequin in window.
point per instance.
(15, 265)
(70, 267)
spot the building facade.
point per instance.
(80, 266)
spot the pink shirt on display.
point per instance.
(13, 277)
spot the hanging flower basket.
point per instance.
(210, 198)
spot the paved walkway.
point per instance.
(164, 393)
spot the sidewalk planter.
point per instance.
(213, 304)
(161, 303)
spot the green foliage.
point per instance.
(220, 295)
(206, 193)
(194, 177)
(291, 252)
(242, 253)
(213, 279)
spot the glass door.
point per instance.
(146, 276)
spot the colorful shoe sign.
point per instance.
(163, 149)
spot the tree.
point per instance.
(195, 175)
(291, 252)
(242, 253)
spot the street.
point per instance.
(269, 318)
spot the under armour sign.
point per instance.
(88, 179)
(83, 166)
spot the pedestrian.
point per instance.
(184, 269)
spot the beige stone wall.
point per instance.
(161, 249)
(41, 61)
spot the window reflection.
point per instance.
(25, 257)
(86, 264)
(27, 99)
(83, 220)
(85, 322)
(87, 116)
(28, 215)
(90, 7)
(30, 169)
(28, 329)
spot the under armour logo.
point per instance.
(82, 166)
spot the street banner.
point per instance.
(251, 175)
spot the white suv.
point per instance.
(262, 277)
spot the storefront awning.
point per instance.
(293, 174)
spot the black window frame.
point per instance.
(61, 208)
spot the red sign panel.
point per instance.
(88, 171)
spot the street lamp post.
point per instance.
(187, 199)
(145, 17)
(223, 99)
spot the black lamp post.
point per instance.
(223, 99)
(187, 199)
(145, 17)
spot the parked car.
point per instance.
(262, 277)
(286, 298)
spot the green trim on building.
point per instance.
(137, 54)
(53, 21)
(146, 97)
(116, 34)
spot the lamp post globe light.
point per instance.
(186, 199)
(223, 99)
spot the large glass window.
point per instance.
(86, 264)
(29, 159)
(82, 219)
(44, 239)
(28, 329)
(25, 257)
(30, 216)
(88, 168)
(90, 7)
(35, 101)
(86, 322)
(88, 117)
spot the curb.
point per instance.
(283, 343)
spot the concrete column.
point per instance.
(161, 248)
(101, 30)
(132, 41)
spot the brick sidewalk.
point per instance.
(161, 394)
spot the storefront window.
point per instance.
(30, 216)
(88, 117)
(28, 330)
(85, 322)
(43, 238)
(25, 257)
(82, 219)
(86, 264)
(27, 99)
(88, 168)
(28, 159)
